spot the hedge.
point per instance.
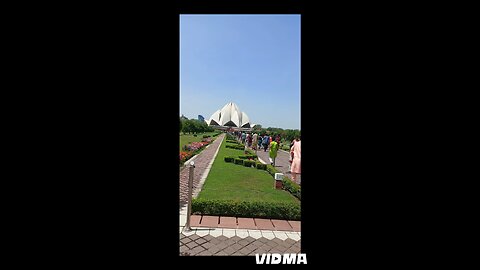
(255, 209)
(271, 170)
(292, 187)
(248, 163)
(238, 147)
(238, 161)
(228, 159)
(206, 136)
(247, 156)
(261, 166)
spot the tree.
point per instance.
(181, 124)
(197, 126)
(188, 126)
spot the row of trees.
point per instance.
(285, 134)
(194, 126)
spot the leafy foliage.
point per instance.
(247, 209)
(292, 187)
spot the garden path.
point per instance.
(202, 162)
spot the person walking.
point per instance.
(254, 141)
(249, 139)
(273, 152)
(265, 142)
(297, 156)
(290, 158)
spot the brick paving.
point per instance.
(264, 224)
(234, 246)
(201, 163)
(295, 225)
(244, 223)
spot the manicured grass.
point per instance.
(188, 138)
(227, 181)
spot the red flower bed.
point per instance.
(192, 148)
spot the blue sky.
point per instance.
(251, 60)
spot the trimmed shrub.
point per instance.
(292, 187)
(247, 156)
(269, 210)
(206, 136)
(238, 147)
(239, 161)
(271, 170)
(228, 159)
(261, 166)
(248, 163)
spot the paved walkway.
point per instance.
(207, 245)
(233, 236)
(244, 223)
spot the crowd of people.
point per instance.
(258, 142)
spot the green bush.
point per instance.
(269, 210)
(239, 161)
(206, 136)
(248, 163)
(247, 156)
(238, 147)
(228, 159)
(261, 166)
(251, 152)
(271, 170)
(292, 187)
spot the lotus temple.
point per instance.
(230, 118)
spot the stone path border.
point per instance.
(229, 232)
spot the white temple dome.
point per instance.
(230, 116)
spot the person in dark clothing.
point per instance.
(265, 142)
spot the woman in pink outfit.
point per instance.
(297, 155)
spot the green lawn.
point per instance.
(227, 181)
(188, 138)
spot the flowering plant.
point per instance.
(190, 149)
